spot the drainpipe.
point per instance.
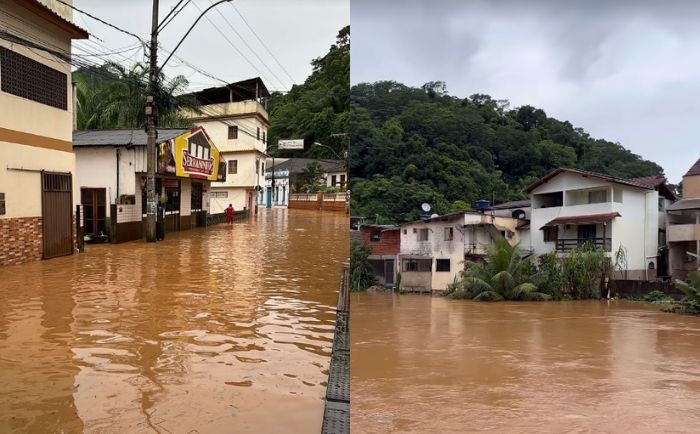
(75, 105)
(118, 159)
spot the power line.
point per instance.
(263, 43)
(249, 47)
(229, 41)
(163, 24)
(101, 20)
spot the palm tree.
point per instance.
(504, 275)
(119, 100)
(691, 290)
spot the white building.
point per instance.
(683, 227)
(111, 179)
(571, 207)
(432, 253)
(287, 178)
(234, 115)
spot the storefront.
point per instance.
(111, 166)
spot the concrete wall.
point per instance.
(691, 186)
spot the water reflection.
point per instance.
(210, 329)
(422, 364)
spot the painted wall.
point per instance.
(691, 186)
(23, 188)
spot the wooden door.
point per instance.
(57, 214)
(94, 202)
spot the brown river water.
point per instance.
(224, 329)
(430, 365)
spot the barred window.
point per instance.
(27, 78)
(232, 167)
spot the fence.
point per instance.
(318, 201)
(218, 218)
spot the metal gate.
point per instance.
(57, 214)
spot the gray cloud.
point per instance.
(295, 32)
(625, 71)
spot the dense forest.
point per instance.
(413, 145)
(319, 109)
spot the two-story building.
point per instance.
(683, 227)
(37, 164)
(235, 117)
(432, 252)
(571, 207)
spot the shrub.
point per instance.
(657, 296)
(691, 289)
(361, 273)
(583, 270)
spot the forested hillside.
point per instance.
(413, 145)
(317, 110)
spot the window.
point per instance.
(263, 167)
(334, 180)
(423, 234)
(2, 203)
(257, 135)
(449, 234)
(375, 236)
(405, 231)
(342, 181)
(232, 167)
(27, 78)
(233, 132)
(551, 233)
(257, 166)
(600, 196)
(661, 204)
(417, 265)
(264, 137)
(586, 232)
(442, 265)
(196, 197)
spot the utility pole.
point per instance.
(152, 200)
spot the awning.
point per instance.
(683, 204)
(582, 219)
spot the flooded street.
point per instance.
(224, 329)
(422, 365)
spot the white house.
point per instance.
(432, 253)
(111, 178)
(235, 117)
(683, 227)
(571, 207)
(287, 179)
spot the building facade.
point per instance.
(572, 207)
(111, 178)
(237, 122)
(385, 245)
(288, 178)
(683, 227)
(37, 165)
(433, 252)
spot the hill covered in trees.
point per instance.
(413, 145)
(317, 110)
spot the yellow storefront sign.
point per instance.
(191, 155)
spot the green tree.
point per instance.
(361, 273)
(504, 275)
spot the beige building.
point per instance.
(237, 122)
(683, 227)
(37, 165)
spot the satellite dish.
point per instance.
(434, 216)
(425, 207)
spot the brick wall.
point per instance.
(20, 240)
(389, 242)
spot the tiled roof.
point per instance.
(122, 137)
(630, 182)
(583, 219)
(695, 170)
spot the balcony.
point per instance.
(568, 244)
(684, 232)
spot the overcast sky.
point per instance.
(294, 31)
(626, 71)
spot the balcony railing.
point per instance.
(567, 244)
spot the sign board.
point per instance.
(291, 144)
(191, 155)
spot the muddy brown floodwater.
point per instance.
(224, 329)
(432, 365)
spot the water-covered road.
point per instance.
(224, 329)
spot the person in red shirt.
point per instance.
(229, 213)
